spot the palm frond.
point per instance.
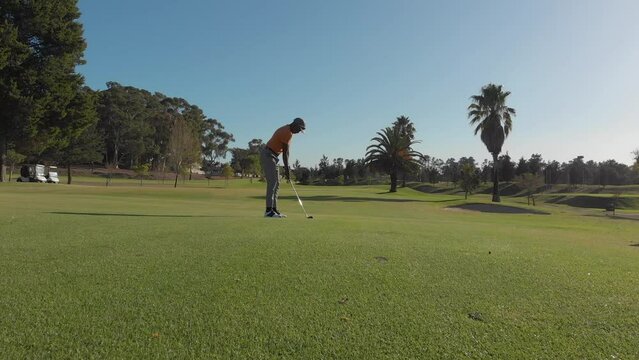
(478, 128)
(392, 150)
(490, 116)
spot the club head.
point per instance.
(309, 217)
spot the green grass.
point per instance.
(195, 272)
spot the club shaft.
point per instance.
(298, 198)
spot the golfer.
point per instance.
(279, 144)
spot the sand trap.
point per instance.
(496, 209)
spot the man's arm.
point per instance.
(287, 173)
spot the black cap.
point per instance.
(299, 122)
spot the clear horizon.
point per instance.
(349, 69)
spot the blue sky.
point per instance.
(350, 67)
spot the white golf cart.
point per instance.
(52, 175)
(32, 173)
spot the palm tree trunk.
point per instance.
(495, 179)
(393, 176)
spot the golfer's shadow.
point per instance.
(137, 215)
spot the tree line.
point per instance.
(574, 172)
(392, 152)
(49, 115)
(453, 172)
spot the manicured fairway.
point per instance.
(196, 272)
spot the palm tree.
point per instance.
(392, 153)
(405, 126)
(493, 118)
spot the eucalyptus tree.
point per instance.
(492, 118)
(125, 115)
(392, 153)
(215, 140)
(184, 146)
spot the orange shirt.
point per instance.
(281, 137)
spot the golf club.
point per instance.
(300, 201)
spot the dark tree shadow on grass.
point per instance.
(353, 199)
(136, 215)
(498, 209)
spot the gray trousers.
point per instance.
(271, 171)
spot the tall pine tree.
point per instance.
(41, 43)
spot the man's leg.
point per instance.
(276, 187)
(270, 172)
